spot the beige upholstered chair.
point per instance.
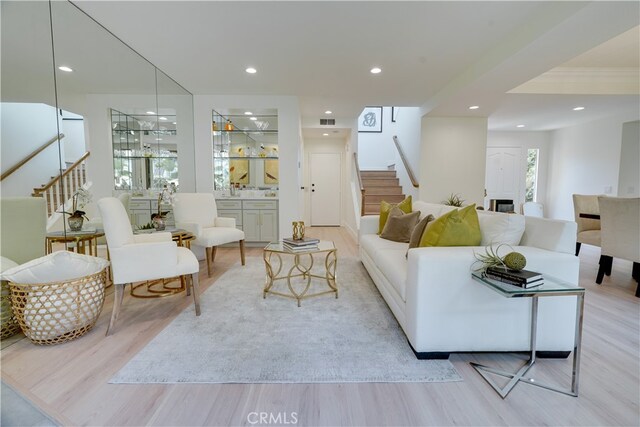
(135, 258)
(620, 219)
(533, 209)
(198, 214)
(588, 228)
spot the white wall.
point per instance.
(629, 176)
(453, 158)
(526, 140)
(25, 127)
(584, 159)
(376, 150)
(289, 140)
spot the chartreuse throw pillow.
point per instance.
(385, 208)
(456, 228)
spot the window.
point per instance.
(532, 175)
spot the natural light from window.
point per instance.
(532, 175)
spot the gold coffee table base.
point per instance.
(299, 269)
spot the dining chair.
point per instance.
(587, 216)
(198, 214)
(620, 219)
(533, 209)
(136, 258)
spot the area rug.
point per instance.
(242, 338)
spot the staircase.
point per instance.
(379, 186)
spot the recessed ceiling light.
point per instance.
(325, 134)
(162, 118)
(520, 126)
(474, 107)
(578, 109)
(376, 70)
(150, 112)
(248, 113)
(175, 123)
(158, 139)
(253, 118)
(136, 139)
(328, 112)
(251, 70)
(65, 68)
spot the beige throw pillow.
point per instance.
(399, 225)
(416, 234)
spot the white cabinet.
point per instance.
(257, 218)
(140, 211)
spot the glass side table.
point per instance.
(551, 287)
(272, 255)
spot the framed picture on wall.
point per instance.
(271, 171)
(239, 171)
(370, 120)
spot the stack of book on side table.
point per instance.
(523, 278)
(300, 245)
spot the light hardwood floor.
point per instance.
(69, 382)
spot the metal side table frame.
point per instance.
(552, 287)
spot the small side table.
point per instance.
(161, 288)
(551, 287)
(82, 240)
(299, 269)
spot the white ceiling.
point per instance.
(442, 56)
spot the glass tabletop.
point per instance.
(323, 246)
(551, 286)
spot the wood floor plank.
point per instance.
(69, 382)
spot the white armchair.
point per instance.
(141, 257)
(620, 219)
(198, 214)
(587, 216)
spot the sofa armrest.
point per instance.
(551, 234)
(191, 227)
(225, 222)
(369, 224)
(440, 294)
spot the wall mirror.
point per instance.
(93, 74)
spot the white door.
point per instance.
(325, 170)
(503, 173)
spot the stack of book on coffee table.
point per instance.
(300, 245)
(522, 278)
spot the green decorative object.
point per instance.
(454, 200)
(515, 261)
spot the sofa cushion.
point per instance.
(456, 228)
(498, 228)
(389, 257)
(399, 225)
(434, 209)
(386, 207)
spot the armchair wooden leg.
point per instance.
(213, 253)
(242, 251)
(117, 302)
(208, 255)
(196, 292)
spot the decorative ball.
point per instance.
(515, 261)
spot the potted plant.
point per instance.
(157, 219)
(79, 200)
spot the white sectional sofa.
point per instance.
(442, 309)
